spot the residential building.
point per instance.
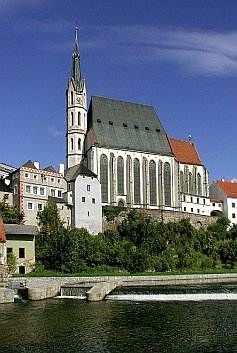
(3, 251)
(32, 187)
(5, 170)
(226, 191)
(6, 194)
(84, 196)
(20, 240)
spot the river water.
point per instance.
(125, 323)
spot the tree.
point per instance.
(10, 214)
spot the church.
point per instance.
(126, 146)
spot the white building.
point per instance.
(84, 195)
(226, 191)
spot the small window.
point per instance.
(69, 187)
(15, 190)
(21, 253)
(191, 209)
(59, 181)
(197, 199)
(198, 211)
(28, 189)
(191, 199)
(157, 130)
(136, 126)
(213, 204)
(79, 118)
(35, 190)
(83, 199)
(98, 120)
(26, 175)
(88, 188)
(53, 192)
(35, 177)
(42, 190)
(111, 123)
(125, 125)
(184, 208)
(9, 250)
(88, 214)
(40, 206)
(233, 215)
(29, 205)
(147, 128)
(93, 200)
(52, 179)
(184, 198)
(59, 193)
(71, 97)
(204, 202)
(233, 205)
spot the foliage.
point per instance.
(10, 214)
(111, 212)
(139, 244)
(11, 262)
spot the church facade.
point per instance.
(126, 146)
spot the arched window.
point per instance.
(120, 175)
(190, 184)
(129, 180)
(137, 181)
(79, 144)
(72, 119)
(79, 118)
(72, 144)
(167, 184)
(160, 183)
(104, 177)
(186, 179)
(199, 184)
(181, 182)
(152, 179)
(145, 174)
(71, 97)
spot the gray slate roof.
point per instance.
(72, 173)
(19, 229)
(124, 125)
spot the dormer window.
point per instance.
(147, 128)
(98, 120)
(111, 123)
(157, 130)
(125, 125)
(136, 126)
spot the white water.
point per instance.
(174, 297)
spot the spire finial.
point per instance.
(76, 31)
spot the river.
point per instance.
(123, 323)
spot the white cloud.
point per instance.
(199, 52)
(54, 132)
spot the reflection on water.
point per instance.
(64, 325)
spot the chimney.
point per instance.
(61, 168)
(37, 165)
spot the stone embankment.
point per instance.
(47, 287)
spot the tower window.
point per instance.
(136, 126)
(72, 120)
(111, 123)
(71, 97)
(98, 120)
(79, 144)
(79, 118)
(125, 125)
(146, 128)
(71, 143)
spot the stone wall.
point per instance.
(196, 220)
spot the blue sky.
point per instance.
(178, 55)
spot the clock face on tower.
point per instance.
(79, 100)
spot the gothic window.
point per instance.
(71, 98)
(160, 183)
(167, 184)
(145, 181)
(104, 177)
(137, 181)
(79, 144)
(190, 186)
(72, 119)
(120, 175)
(181, 181)
(129, 179)
(186, 179)
(152, 179)
(79, 118)
(199, 184)
(71, 143)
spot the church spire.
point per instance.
(76, 68)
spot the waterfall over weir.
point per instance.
(74, 292)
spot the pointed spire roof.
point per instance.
(76, 67)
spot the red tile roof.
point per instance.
(229, 187)
(2, 231)
(185, 152)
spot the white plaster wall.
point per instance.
(87, 214)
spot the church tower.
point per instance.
(76, 111)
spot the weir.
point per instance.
(100, 290)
